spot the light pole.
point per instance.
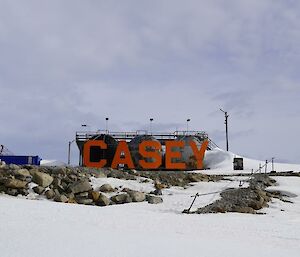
(226, 126)
(85, 125)
(69, 151)
(106, 124)
(187, 125)
(151, 120)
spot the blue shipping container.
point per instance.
(20, 159)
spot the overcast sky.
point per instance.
(67, 63)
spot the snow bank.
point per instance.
(219, 161)
(52, 163)
(44, 228)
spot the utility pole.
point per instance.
(226, 125)
(106, 124)
(187, 125)
(151, 120)
(69, 151)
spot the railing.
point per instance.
(85, 135)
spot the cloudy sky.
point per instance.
(65, 63)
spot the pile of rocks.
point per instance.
(68, 185)
(244, 200)
(178, 178)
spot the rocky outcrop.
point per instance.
(243, 200)
(67, 185)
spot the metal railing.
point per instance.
(161, 136)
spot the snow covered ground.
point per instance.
(221, 162)
(44, 228)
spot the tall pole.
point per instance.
(226, 126)
(187, 125)
(151, 120)
(106, 124)
(69, 151)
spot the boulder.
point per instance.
(121, 198)
(103, 200)
(154, 199)
(86, 201)
(60, 198)
(106, 188)
(38, 189)
(14, 167)
(16, 183)
(83, 194)
(80, 187)
(22, 173)
(42, 179)
(12, 191)
(50, 194)
(94, 195)
(23, 191)
(137, 196)
(156, 192)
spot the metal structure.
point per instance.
(5, 151)
(10, 158)
(226, 127)
(162, 137)
(134, 149)
(187, 154)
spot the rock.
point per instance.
(86, 201)
(59, 170)
(137, 196)
(245, 209)
(50, 194)
(83, 194)
(15, 183)
(106, 188)
(159, 185)
(38, 189)
(103, 200)
(60, 198)
(94, 195)
(121, 198)
(12, 191)
(42, 179)
(22, 173)
(154, 199)
(23, 191)
(13, 167)
(156, 192)
(80, 186)
(100, 174)
(218, 209)
(2, 188)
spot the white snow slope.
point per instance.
(43, 228)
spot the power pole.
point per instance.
(69, 151)
(187, 125)
(106, 124)
(226, 125)
(151, 120)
